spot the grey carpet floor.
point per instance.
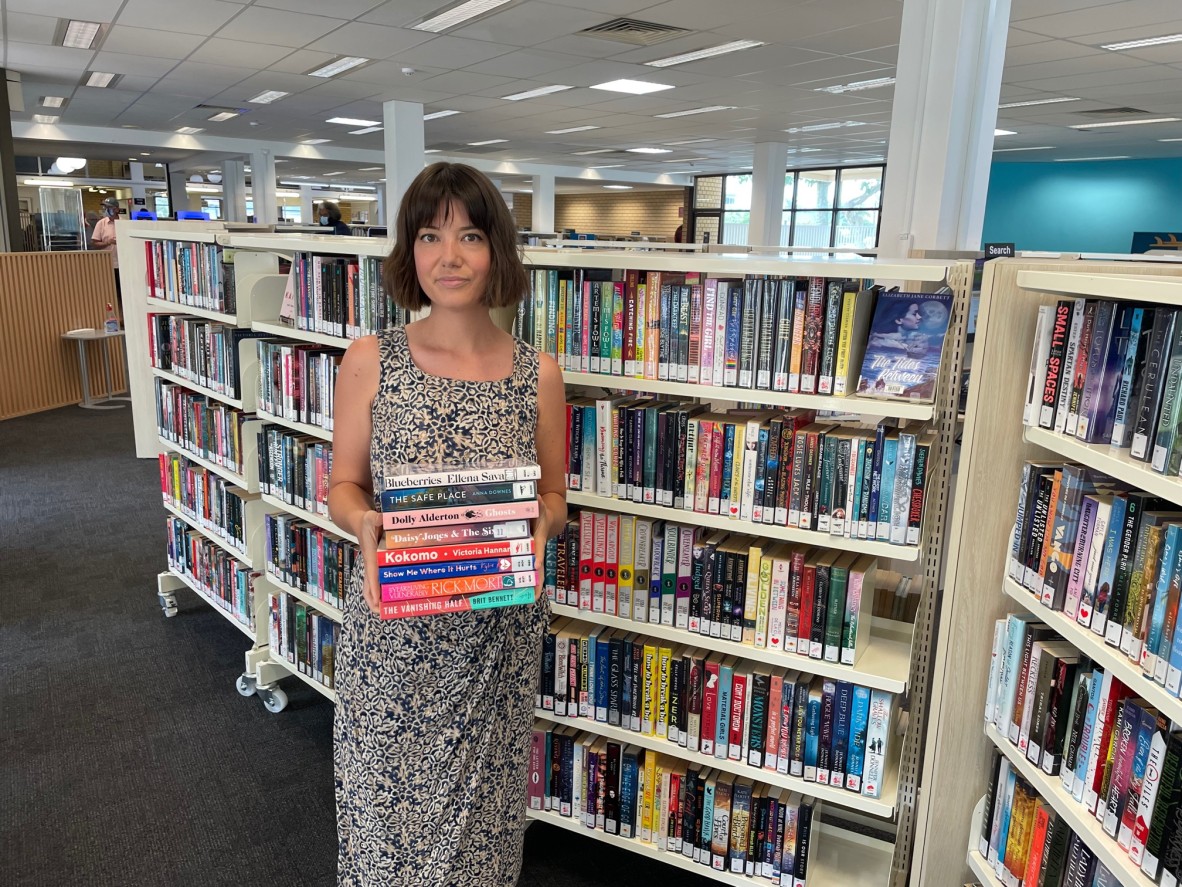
(126, 756)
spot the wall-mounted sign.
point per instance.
(999, 251)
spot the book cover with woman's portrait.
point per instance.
(904, 346)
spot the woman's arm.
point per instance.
(350, 485)
(550, 439)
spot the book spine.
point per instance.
(521, 472)
(456, 604)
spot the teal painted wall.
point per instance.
(1092, 206)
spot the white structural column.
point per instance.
(234, 190)
(306, 206)
(178, 194)
(138, 189)
(542, 212)
(404, 145)
(381, 209)
(945, 110)
(262, 186)
(767, 193)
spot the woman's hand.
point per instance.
(541, 535)
(368, 539)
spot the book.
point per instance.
(456, 603)
(905, 346)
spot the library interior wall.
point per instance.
(1085, 206)
(649, 212)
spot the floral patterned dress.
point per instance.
(433, 722)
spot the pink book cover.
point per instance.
(771, 743)
(463, 514)
(709, 322)
(585, 345)
(404, 591)
(457, 603)
(738, 704)
(454, 534)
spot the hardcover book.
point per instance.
(905, 345)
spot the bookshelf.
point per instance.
(995, 446)
(979, 866)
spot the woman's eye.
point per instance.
(473, 237)
(426, 237)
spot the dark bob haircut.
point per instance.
(430, 194)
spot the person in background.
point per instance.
(104, 239)
(679, 234)
(330, 216)
(91, 220)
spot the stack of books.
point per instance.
(457, 538)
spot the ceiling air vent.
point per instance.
(1112, 112)
(638, 33)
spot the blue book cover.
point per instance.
(1165, 575)
(1174, 672)
(1100, 420)
(858, 454)
(875, 483)
(629, 771)
(722, 719)
(1107, 576)
(1120, 421)
(425, 572)
(1006, 808)
(655, 568)
(890, 452)
(734, 326)
(707, 834)
(842, 709)
(1087, 736)
(603, 653)
(905, 343)
(859, 721)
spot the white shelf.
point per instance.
(898, 409)
(196, 589)
(170, 307)
(296, 241)
(327, 692)
(200, 389)
(736, 265)
(303, 514)
(883, 806)
(885, 664)
(839, 858)
(275, 328)
(767, 531)
(220, 470)
(1076, 815)
(323, 607)
(209, 534)
(982, 870)
(1093, 646)
(302, 427)
(197, 234)
(1110, 460)
(1161, 290)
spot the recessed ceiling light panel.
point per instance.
(338, 66)
(1031, 102)
(435, 115)
(709, 52)
(1140, 44)
(265, 98)
(352, 121)
(632, 87)
(457, 15)
(534, 93)
(1126, 123)
(707, 110)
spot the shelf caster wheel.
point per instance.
(168, 605)
(274, 700)
(245, 685)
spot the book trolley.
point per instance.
(898, 656)
(996, 444)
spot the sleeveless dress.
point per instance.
(433, 723)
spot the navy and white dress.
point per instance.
(434, 715)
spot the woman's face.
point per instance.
(912, 319)
(452, 259)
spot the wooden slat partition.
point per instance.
(43, 295)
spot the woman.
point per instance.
(434, 717)
(330, 217)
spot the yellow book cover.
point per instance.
(560, 337)
(664, 654)
(841, 369)
(1018, 840)
(641, 331)
(626, 573)
(1141, 585)
(763, 604)
(751, 594)
(649, 722)
(740, 448)
(652, 332)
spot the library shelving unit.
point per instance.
(995, 446)
(894, 661)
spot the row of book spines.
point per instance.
(724, 822)
(213, 569)
(458, 603)
(211, 429)
(778, 597)
(1108, 558)
(829, 732)
(297, 380)
(1109, 372)
(458, 585)
(776, 334)
(294, 467)
(190, 274)
(1107, 746)
(303, 636)
(309, 558)
(342, 296)
(202, 351)
(772, 467)
(208, 498)
(1027, 843)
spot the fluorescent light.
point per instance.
(562, 132)
(79, 35)
(51, 183)
(370, 168)
(1034, 148)
(533, 93)
(487, 142)
(710, 52)
(45, 118)
(189, 130)
(368, 129)
(430, 151)
(435, 115)
(52, 101)
(339, 66)
(353, 121)
(683, 159)
(705, 110)
(339, 172)
(607, 166)
(1077, 159)
(691, 142)
(1147, 41)
(222, 116)
(1031, 102)
(314, 141)
(1170, 140)
(100, 80)
(265, 98)
(593, 151)
(1003, 132)
(649, 150)
(632, 87)
(525, 190)
(857, 85)
(618, 187)
(1125, 122)
(457, 14)
(817, 127)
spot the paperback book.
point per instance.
(905, 345)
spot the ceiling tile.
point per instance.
(629, 8)
(185, 16)
(387, 73)
(1110, 16)
(1096, 62)
(460, 82)
(302, 62)
(24, 28)
(459, 52)
(122, 63)
(34, 55)
(531, 23)
(524, 63)
(142, 41)
(88, 10)
(281, 28)
(369, 40)
(219, 51)
(347, 9)
(398, 13)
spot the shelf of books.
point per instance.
(1062, 557)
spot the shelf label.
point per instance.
(999, 251)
